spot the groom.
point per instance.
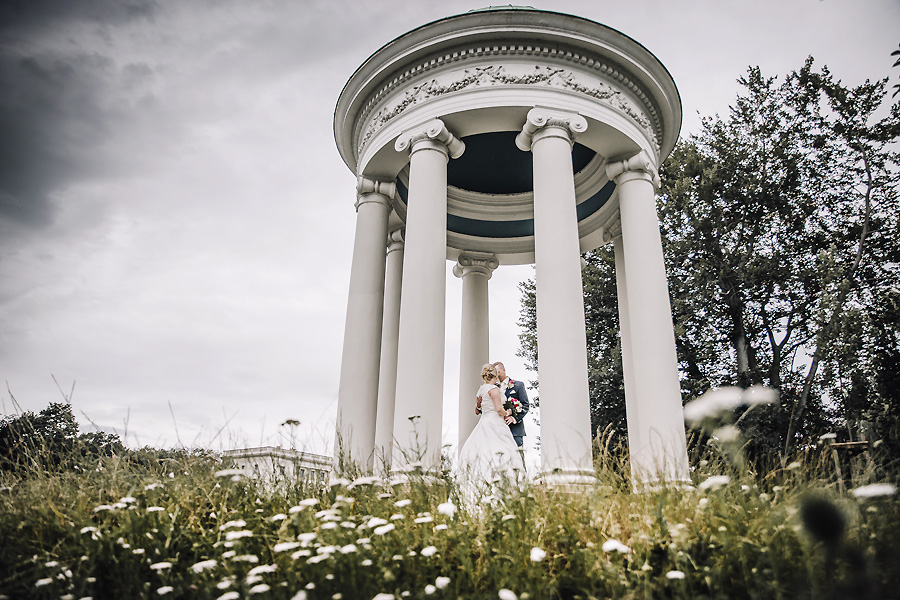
(514, 390)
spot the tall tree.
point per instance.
(779, 225)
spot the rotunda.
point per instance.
(505, 135)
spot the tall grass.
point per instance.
(183, 528)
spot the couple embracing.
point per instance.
(492, 448)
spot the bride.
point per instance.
(490, 451)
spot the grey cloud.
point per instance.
(26, 16)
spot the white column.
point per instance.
(420, 353)
(562, 346)
(475, 269)
(631, 407)
(661, 451)
(390, 332)
(358, 392)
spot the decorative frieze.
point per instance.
(506, 75)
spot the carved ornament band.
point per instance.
(434, 130)
(640, 163)
(539, 118)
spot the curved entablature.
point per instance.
(561, 46)
(481, 73)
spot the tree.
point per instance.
(780, 235)
(49, 440)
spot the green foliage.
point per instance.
(49, 440)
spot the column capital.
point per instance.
(540, 118)
(396, 240)
(475, 262)
(638, 166)
(372, 190)
(432, 131)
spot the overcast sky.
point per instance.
(176, 225)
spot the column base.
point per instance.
(568, 481)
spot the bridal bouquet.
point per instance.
(512, 406)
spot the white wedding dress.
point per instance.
(490, 454)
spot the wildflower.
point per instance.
(505, 594)
(537, 555)
(727, 433)
(425, 519)
(440, 527)
(236, 535)
(102, 507)
(306, 538)
(348, 549)
(203, 565)
(229, 596)
(508, 517)
(222, 473)
(339, 481)
(238, 523)
(263, 569)
(375, 522)
(348, 525)
(152, 486)
(278, 517)
(138, 551)
(329, 514)
(318, 558)
(329, 525)
(714, 482)
(383, 596)
(43, 582)
(721, 400)
(366, 563)
(429, 551)
(675, 575)
(383, 529)
(165, 590)
(793, 465)
(875, 489)
(397, 517)
(615, 546)
(228, 554)
(363, 541)
(300, 595)
(338, 596)
(89, 529)
(396, 557)
(161, 565)
(363, 481)
(402, 503)
(284, 546)
(259, 589)
(155, 509)
(827, 436)
(250, 558)
(447, 508)
(442, 582)
(430, 589)
(127, 499)
(383, 495)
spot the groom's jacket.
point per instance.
(516, 389)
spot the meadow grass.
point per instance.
(186, 528)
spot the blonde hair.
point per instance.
(488, 372)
